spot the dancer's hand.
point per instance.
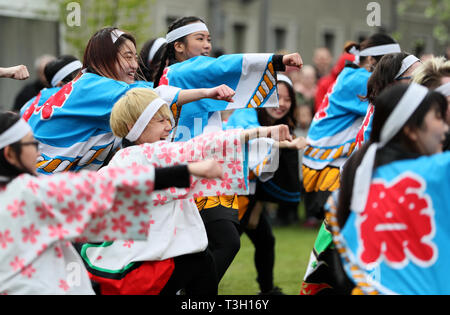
(206, 169)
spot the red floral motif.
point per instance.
(64, 285)
(128, 243)
(107, 192)
(58, 231)
(129, 189)
(398, 224)
(33, 186)
(16, 208)
(208, 182)
(167, 155)
(149, 151)
(198, 195)
(17, 263)
(59, 191)
(235, 167)
(57, 100)
(45, 211)
(138, 207)
(85, 191)
(117, 205)
(242, 183)
(58, 251)
(161, 200)
(30, 234)
(99, 227)
(226, 181)
(28, 271)
(73, 212)
(5, 238)
(121, 224)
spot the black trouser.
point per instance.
(195, 273)
(224, 243)
(315, 202)
(264, 243)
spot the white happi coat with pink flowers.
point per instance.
(40, 215)
(177, 227)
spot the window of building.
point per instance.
(239, 31)
(280, 39)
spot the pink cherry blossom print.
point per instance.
(161, 200)
(107, 192)
(117, 205)
(149, 151)
(28, 271)
(45, 211)
(128, 243)
(33, 186)
(17, 263)
(63, 285)
(121, 224)
(167, 155)
(58, 251)
(16, 208)
(73, 212)
(85, 191)
(30, 234)
(129, 189)
(58, 231)
(208, 182)
(138, 207)
(235, 167)
(226, 181)
(5, 238)
(58, 191)
(99, 227)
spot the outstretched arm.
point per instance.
(17, 72)
(221, 93)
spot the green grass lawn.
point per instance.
(292, 250)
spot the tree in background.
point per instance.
(438, 10)
(130, 15)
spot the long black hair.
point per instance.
(7, 120)
(150, 67)
(400, 147)
(288, 119)
(384, 74)
(377, 39)
(54, 66)
(168, 57)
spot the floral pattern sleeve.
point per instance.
(224, 146)
(38, 211)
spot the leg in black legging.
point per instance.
(224, 243)
(264, 242)
(195, 273)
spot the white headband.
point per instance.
(444, 89)
(284, 78)
(186, 30)
(65, 71)
(406, 64)
(145, 118)
(16, 132)
(400, 115)
(381, 50)
(115, 34)
(377, 50)
(155, 47)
